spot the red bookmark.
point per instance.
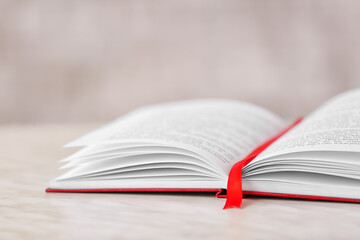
(234, 193)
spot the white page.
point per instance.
(304, 183)
(131, 151)
(222, 131)
(335, 126)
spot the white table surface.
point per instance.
(28, 158)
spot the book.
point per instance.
(193, 146)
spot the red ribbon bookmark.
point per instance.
(234, 193)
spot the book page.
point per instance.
(335, 126)
(222, 131)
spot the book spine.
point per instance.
(234, 186)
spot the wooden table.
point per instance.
(28, 157)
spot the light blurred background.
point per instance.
(91, 61)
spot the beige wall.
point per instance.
(67, 61)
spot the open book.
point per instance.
(192, 146)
